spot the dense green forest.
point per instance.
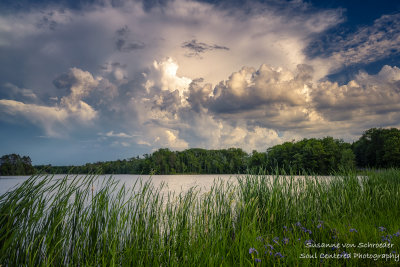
(376, 148)
(14, 164)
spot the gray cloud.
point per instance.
(123, 44)
(123, 31)
(364, 46)
(71, 108)
(265, 90)
(253, 108)
(367, 97)
(290, 101)
(197, 48)
(11, 91)
(371, 43)
(146, 97)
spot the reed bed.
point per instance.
(254, 222)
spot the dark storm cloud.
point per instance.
(123, 32)
(112, 65)
(277, 99)
(197, 48)
(47, 22)
(64, 81)
(149, 98)
(11, 91)
(266, 97)
(123, 44)
(168, 101)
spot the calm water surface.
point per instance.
(177, 183)
(173, 183)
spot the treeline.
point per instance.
(376, 148)
(164, 161)
(312, 156)
(320, 156)
(14, 164)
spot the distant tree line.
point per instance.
(319, 156)
(14, 164)
(376, 148)
(165, 161)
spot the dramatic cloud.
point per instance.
(365, 100)
(368, 44)
(196, 48)
(11, 91)
(163, 75)
(192, 74)
(273, 98)
(48, 117)
(285, 101)
(122, 43)
(71, 107)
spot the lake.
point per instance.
(173, 183)
(177, 183)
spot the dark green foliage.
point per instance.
(14, 164)
(164, 161)
(319, 156)
(378, 148)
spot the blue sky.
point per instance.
(87, 81)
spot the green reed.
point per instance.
(256, 221)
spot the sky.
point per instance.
(96, 80)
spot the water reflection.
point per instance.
(173, 183)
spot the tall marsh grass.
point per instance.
(258, 221)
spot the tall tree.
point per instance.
(379, 148)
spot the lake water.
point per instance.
(177, 183)
(173, 183)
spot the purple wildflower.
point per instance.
(278, 254)
(319, 225)
(345, 254)
(276, 239)
(269, 246)
(382, 229)
(285, 240)
(251, 250)
(257, 260)
(259, 238)
(397, 234)
(285, 228)
(298, 224)
(353, 230)
(387, 238)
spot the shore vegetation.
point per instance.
(256, 221)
